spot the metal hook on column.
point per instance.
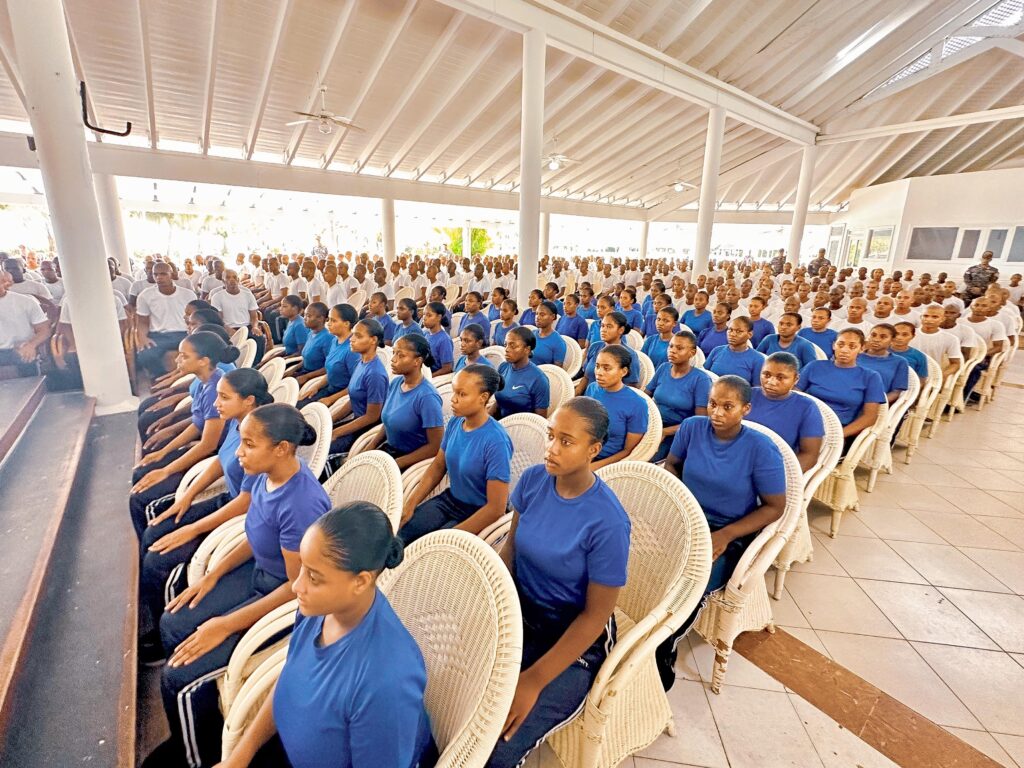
(85, 117)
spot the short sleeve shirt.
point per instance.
(792, 418)
(678, 398)
(475, 458)
(18, 315)
(844, 390)
(627, 414)
(408, 415)
(526, 390)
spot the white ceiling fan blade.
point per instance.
(300, 122)
(305, 114)
(345, 123)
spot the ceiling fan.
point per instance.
(679, 185)
(325, 119)
(555, 160)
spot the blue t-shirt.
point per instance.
(476, 457)
(234, 476)
(587, 313)
(916, 359)
(550, 349)
(633, 377)
(442, 348)
(493, 312)
(295, 335)
(401, 330)
(574, 327)
(627, 414)
(792, 418)
(526, 390)
(316, 348)
(203, 401)
(500, 332)
(800, 348)
(746, 364)
(710, 338)
(529, 317)
(480, 319)
(369, 384)
(389, 325)
(844, 390)
(892, 368)
(357, 701)
(462, 362)
(697, 323)
(408, 415)
(341, 364)
(564, 545)
(656, 348)
(278, 519)
(727, 477)
(824, 340)
(594, 332)
(762, 328)
(678, 399)
(634, 317)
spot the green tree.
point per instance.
(481, 241)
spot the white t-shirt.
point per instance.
(386, 289)
(18, 313)
(940, 346)
(481, 286)
(56, 289)
(319, 288)
(418, 285)
(275, 283)
(122, 284)
(138, 287)
(235, 308)
(1016, 291)
(166, 313)
(119, 302)
(913, 317)
(968, 339)
(210, 284)
(841, 325)
(988, 329)
(31, 288)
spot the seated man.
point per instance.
(161, 321)
(23, 328)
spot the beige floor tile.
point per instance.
(1008, 567)
(1012, 499)
(896, 668)
(822, 562)
(838, 604)
(697, 740)
(935, 474)
(987, 682)
(908, 497)
(544, 757)
(740, 672)
(820, 521)
(924, 613)
(946, 566)
(871, 559)
(898, 524)
(686, 666)
(645, 762)
(986, 743)
(1014, 746)
(976, 501)
(807, 636)
(784, 610)
(1019, 657)
(1011, 528)
(942, 453)
(1003, 461)
(836, 746)
(989, 479)
(1001, 617)
(963, 530)
(761, 728)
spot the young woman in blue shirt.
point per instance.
(819, 333)
(916, 359)
(588, 307)
(878, 357)
(627, 411)
(551, 292)
(567, 551)
(442, 348)
(295, 332)
(678, 389)
(792, 416)
(318, 343)
(367, 388)
(202, 625)
(656, 343)
(614, 328)
(408, 319)
(789, 341)
(627, 300)
(498, 296)
(530, 313)
(476, 455)
(698, 318)
(657, 304)
(351, 690)
(525, 387)
(474, 302)
(550, 344)
(471, 341)
(341, 360)
(717, 333)
(570, 324)
(605, 305)
(737, 357)
(509, 310)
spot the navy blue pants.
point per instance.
(139, 502)
(440, 512)
(10, 357)
(974, 376)
(152, 358)
(190, 692)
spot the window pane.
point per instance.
(996, 243)
(932, 243)
(1017, 246)
(969, 243)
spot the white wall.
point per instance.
(985, 200)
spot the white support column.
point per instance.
(803, 197)
(467, 240)
(531, 145)
(708, 190)
(545, 233)
(387, 223)
(111, 220)
(53, 106)
(645, 231)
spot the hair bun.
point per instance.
(308, 434)
(395, 553)
(230, 354)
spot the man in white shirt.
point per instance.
(855, 312)
(904, 311)
(23, 329)
(161, 321)
(214, 280)
(19, 284)
(479, 282)
(316, 287)
(381, 285)
(238, 308)
(419, 284)
(54, 284)
(991, 332)
(942, 347)
(951, 324)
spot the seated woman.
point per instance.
(203, 624)
(408, 317)
(525, 388)
(614, 328)
(852, 391)
(916, 359)
(159, 472)
(498, 296)
(176, 532)
(197, 312)
(627, 411)
(679, 389)
(341, 360)
(550, 344)
(627, 300)
(877, 357)
(567, 551)
(717, 333)
(318, 343)
(819, 333)
(530, 313)
(295, 331)
(570, 324)
(509, 310)
(350, 647)
(738, 478)
(605, 305)
(442, 348)
(794, 418)
(471, 341)
(367, 389)
(737, 357)
(788, 340)
(476, 454)
(657, 342)
(473, 314)
(412, 416)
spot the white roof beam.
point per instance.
(274, 52)
(1015, 143)
(11, 69)
(967, 155)
(372, 74)
(147, 70)
(412, 87)
(211, 74)
(935, 123)
(574, 33)
(326, 61)
(683, 23)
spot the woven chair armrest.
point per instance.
(622, 665)
(279, 619)
(757, 559)
(191, 475)
(250, 697)
(336, 406)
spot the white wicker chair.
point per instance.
(184, 403)
(371, 476)
(239, 337)
(985, 387)
(560, 385)
(910, 432)
(453, 329)
(742, 605)
(445, 391)
(215, 546)
(273, 371)
(573, 356)
(529, 435)
(217, 487)
(956, 401)
(403, 293)
(1010, 354)
(310, 387)
(649, 443)
(646, 369)
(838, 491)
(698, 358)
(879, 458)
(669, 564)
(495, 353)
(634, 340)
(365, 440)
(248, 353)
(356, 299)
(942, 399)
(819, 353)
(315, 455)
(285, 391)
(799, 547)
(274, 352)
(413, 475)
